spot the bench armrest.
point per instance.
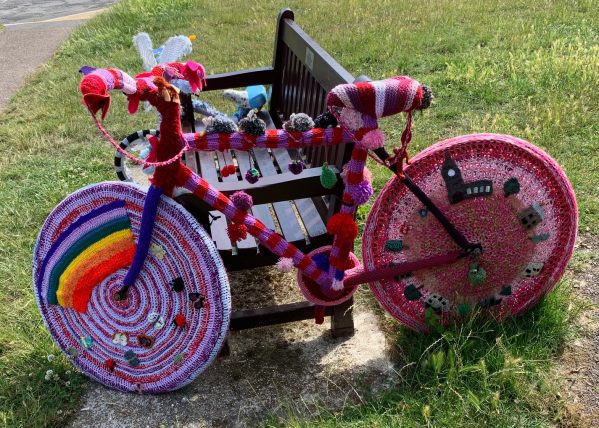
(238, 79)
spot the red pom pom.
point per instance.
(237, 232)
(228, 170)
(180, 320)
(344, 226)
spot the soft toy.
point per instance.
(253, 97)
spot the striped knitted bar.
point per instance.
(380, 98)
(270, 239)
(273, 138)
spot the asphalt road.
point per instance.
(28, 39)
(19, 11)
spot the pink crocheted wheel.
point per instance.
(176, 315)
(313, 292)
(498, 190)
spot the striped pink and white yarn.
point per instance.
(181, 249)
(379, 98)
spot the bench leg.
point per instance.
(342, 320)
(225, 351)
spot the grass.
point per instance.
(478, 374)
(514, 66)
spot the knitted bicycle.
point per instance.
(133, 289)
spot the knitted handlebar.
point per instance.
(97, 83)
(380, 98)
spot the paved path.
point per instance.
(33, 31)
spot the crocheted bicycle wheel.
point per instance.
(175, 317)
(497, 190)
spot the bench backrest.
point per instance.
(303, 75)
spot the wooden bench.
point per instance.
(296, 206)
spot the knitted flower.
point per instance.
(373, 139)
(285, 264)
(351, 118)
(242, 200)
(361, 192)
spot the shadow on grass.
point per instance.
(479, 373)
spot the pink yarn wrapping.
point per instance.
(285, 264)
(373, 140)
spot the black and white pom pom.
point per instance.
(252, 124)
(220, 123)
(298, 122)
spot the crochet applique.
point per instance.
(457, 190)
(197, 299)
(177, 284)
(120, 338)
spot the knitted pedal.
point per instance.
(176, 315)
(501, 192)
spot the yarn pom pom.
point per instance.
(351, 118)
(237, 232)
(361, 192)
(296, 167)
(285, 264)
(298, 122)
(427, 97)
(252, 124)
(344, 226)
(373, 139)
(219, 123)
(325, 120)
(228, 170)
(252, 176)
(242, 200)
(328, 178)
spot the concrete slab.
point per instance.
(19, 11)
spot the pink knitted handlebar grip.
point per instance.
(379, 98)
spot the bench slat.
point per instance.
(285, 214)
(225, 158)
(308, 213)
(328, 72)
(260, 211)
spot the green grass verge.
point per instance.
(519, 67)
(479, 374)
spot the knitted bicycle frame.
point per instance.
(326, 279)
